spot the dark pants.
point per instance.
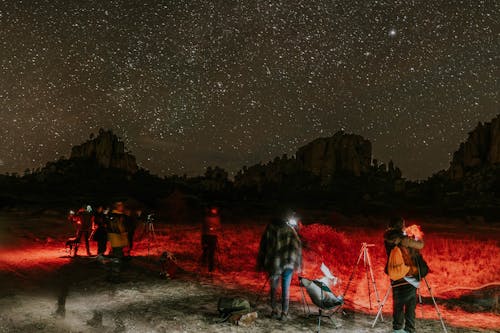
(102, 238)
(83, 233)
(405, 302)
(116, 263)
(130, 236)
(209, 246)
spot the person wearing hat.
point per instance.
(404, 290)
(280, 254)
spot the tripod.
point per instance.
(381, 305)
(367, 263)
(149, 230)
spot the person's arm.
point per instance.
(412, 243)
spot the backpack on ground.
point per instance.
(228, 306)
(396, 266)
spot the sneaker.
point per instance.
(284, 316)
(275, 315)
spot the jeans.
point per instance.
(405, 301)
(286, 279)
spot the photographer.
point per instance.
(403, 289)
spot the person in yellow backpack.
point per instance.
(403, 289)
(117, 236)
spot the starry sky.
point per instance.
(188, 84)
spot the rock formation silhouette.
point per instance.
(107, 150)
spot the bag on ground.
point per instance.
(228, 306)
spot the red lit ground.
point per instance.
(35, 272)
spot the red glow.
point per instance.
(414, 231)
(458, 260)
(214, 211)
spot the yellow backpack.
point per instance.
(396, 266)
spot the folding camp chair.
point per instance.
(321, 295)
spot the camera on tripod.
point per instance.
(151, 218)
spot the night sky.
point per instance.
(189, 84)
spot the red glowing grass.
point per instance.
(455, 262)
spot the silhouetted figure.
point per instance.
(280, 253)
(211, 229)
(100, 234)
(131, 225)
(404, 290)
(85, 216)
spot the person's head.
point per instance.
(100, 209)
(119, 207)
(397, 223)
(293, 220)
(212, 211)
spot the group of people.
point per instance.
(116, 225)
(280, 254)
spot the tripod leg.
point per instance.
(372, 276)
(436, 306)
(380, 307)
(353, 272)
(305, 302)
(365, 263)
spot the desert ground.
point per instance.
(42, 289)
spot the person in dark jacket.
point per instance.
(210, 231)
(85, 227)
(280, 254)
(100, 234)
(403, 290)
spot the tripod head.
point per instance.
(367, 245)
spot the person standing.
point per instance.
(133, 220)
(85, 217)
(117, 236)
(280, 254)
(403, 290)
(210, 231)
(100, 235)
